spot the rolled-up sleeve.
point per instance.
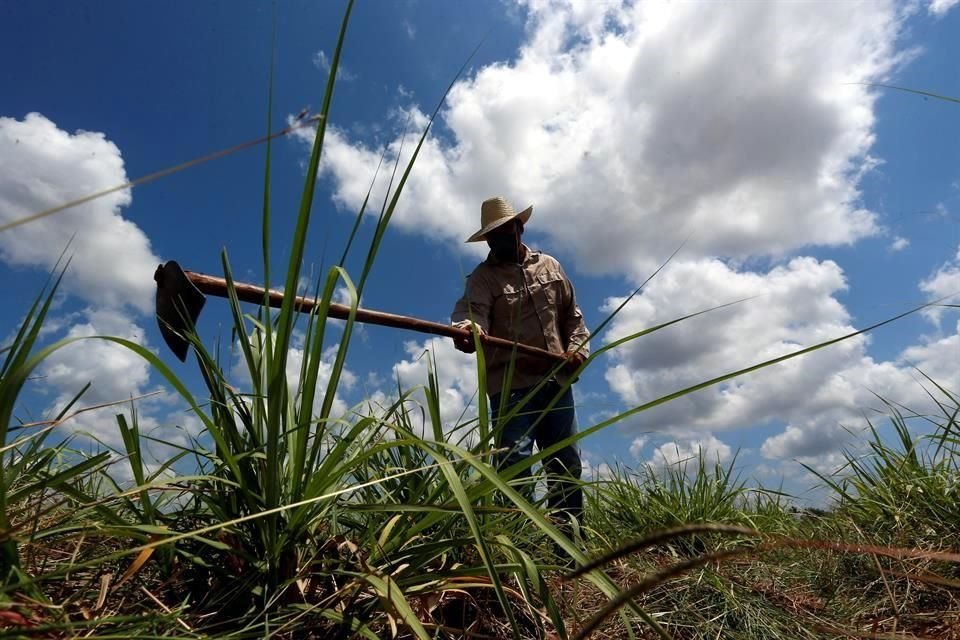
(475, 304)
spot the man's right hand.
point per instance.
(466, 343)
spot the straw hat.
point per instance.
(495, 212)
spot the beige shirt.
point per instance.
(532, 304)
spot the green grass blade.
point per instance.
(516, 468)
(926, 94)
(388, 590)
(456, 486)
(599, 579)
(385, 218)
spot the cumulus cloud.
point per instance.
(899, 244)
(45, 166)
(821, 397)
(939, 8)
(708, 448)
(347, 379)
(943, 283)
(121, 370)
(593, 470)
(739, 126)
(936, 357)
(789, 307)
(636, 447)
(111, 270)
(456, 374)
(116, 374)
(817, 439)
(294, 367)
(743, 129)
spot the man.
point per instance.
(524, 296)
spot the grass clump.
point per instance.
(879, 560)
(911, 480)
(651, 498)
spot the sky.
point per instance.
(751, 136)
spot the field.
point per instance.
(284, 519)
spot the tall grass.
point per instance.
(908, 479)
(883, 558)
(29, 469)
(631, 502)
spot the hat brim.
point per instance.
(523, 216)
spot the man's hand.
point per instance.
(466, 344)
(574, 360)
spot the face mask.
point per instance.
(505, 247)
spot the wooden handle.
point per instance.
(214, 286)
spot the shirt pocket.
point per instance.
(508, 305)
(551, 284)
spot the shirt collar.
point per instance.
(532, 256)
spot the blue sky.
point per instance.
(746, 129)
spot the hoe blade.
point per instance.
(179, 303)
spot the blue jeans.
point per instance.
(520, 433)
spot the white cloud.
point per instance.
(937, 358)
(45, 166)
(771, 323)
(944, 283)
(111, 268)
(845, 400)
(341, 295)
(740, 126)
(116, 374)
(636, 447)
(687, 454)
(409, 29)
(818, 396)
(295, 358)
(595, 468)
(324, 374)
(456, 375)
(939, 8)
(593, 471)
(899, 244)
(117, 371)
(321, 61)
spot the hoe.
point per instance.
(180, 298)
